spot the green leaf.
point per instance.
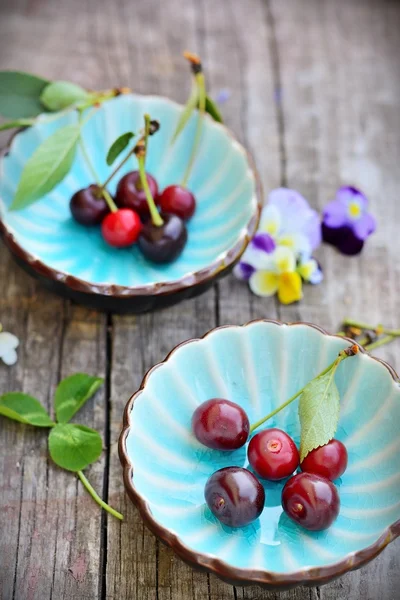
(20, 94)
(48, 165)
(118, 146)
(25, 409)
(319, 408)
(74, 447)
(213, 110)
(186, 113)
(72, 393)
(16, 123)
(58, 95)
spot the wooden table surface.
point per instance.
(315, 96)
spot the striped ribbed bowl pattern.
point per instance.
(222, 180)
(259, 366)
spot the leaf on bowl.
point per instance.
(58, 95)
(24, 409)
(72, 393)
(118, 146)
(47, 167)
(74, 447)
(20, 94)
(16, 123)
(319, 408)
(213, 110)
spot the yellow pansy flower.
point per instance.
(280, 277)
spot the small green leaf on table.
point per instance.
(47, 167)
(16, 123)
(20, 94)
(24, 409)
(72, 393)
(58, 95)
(74, 447)
(118, 146)
(213, 110)
(319, 408)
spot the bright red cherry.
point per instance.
(235, 496)
(130, 193)
(310, 500)
(121, 228)
(88, 206)
(329, 461)
(177, 200)
(273, 454)
(220, 424)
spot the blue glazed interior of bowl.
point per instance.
(221, 179)
(259, 366)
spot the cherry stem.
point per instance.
(381, 342)
(376, 328)
(117, 168)
(97, 498)
(102, 191)
(343, 354)
(141, 152)
(201, 87)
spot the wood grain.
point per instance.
(315, 96)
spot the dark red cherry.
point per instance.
(273, 454)
(235, 496)
(310, 500)
(177, 200)
(130, 193)
(163, 244)
(88, 207)
(220, 424)
(329, 461)
(121, 228)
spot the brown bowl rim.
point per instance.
(235, 575)
(162, 288)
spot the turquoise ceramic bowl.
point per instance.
(259, 366)
(75, 260)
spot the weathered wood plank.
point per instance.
(340, 103)
(138, 566)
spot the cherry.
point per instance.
(235, 496)
(329, 461)
(273, 454)
(220, 424)
(130, 193)
(310, 500)
(163, 243)
(121, 228)
(88, 207)
(178, 200)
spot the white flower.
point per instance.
(8, 345)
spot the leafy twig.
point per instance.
(72, 447)
(342, 355)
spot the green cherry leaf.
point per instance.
(16, 123)
(20, 94)
(72, 393)
(62, 94)
(118, 146)
(319, 408)
(74, 447)
(24, 409)
(47, 167)
(213, 110)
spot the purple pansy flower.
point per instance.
(346, 222)
(257, 255)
